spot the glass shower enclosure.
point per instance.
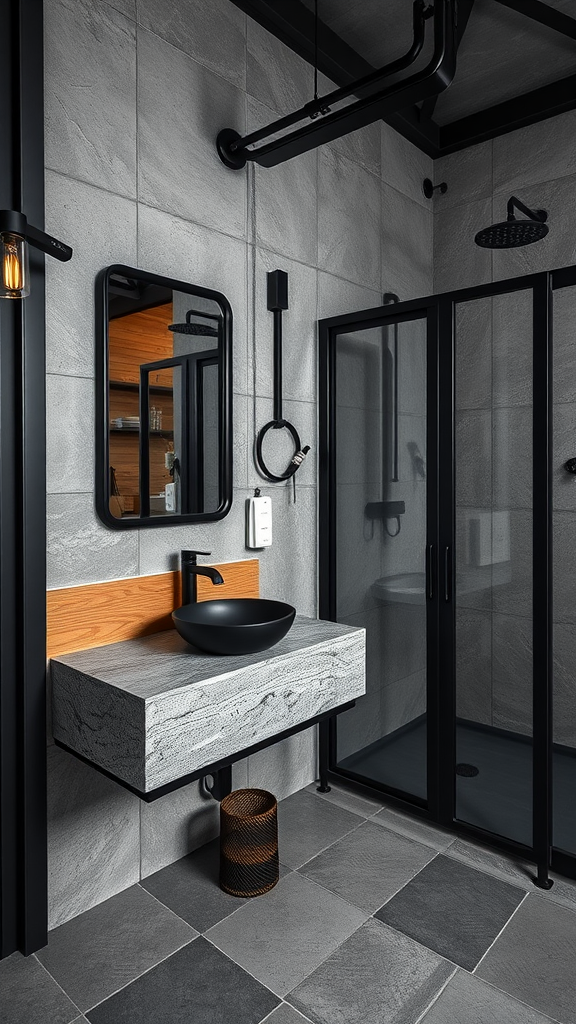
(440, 489)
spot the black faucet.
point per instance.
(190, 570)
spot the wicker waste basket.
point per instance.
(248, 842)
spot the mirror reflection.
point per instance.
(165, 359)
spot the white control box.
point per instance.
(170, 497)
(258, 522)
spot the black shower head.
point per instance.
(206, 330)
(512, 233)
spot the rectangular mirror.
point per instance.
(164, 400)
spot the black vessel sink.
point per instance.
(234, 626)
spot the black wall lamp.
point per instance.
(15, 236)
(377, 95)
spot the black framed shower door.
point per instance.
(387, 391)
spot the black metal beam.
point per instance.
(505, 117)
(23, 858)
(463, 12)
(545, 15)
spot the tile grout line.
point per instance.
(484, 955)
(245, 969)
(290, 1007)
(490, 984)
(38, 961)
(437, 996)
(138, 976)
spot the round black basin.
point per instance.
(235, 626)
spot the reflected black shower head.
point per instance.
(206, 330)
(512, 233)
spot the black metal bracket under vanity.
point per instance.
(218, 769)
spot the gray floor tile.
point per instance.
(28, 995)
(469, 1000)
(368, 866)
(286, 1014)
(377, 977)
(453, 909)
(282, 936)
(359, 804)
(190, 887)
(414, 828)
(534, 958)
(306, 826)
(198, 983)
(109, 946)
(511, 870)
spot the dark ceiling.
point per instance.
(516, 59)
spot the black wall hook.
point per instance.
(429, 188)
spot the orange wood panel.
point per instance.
(141, 338)
(104, 613)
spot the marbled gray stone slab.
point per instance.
(155, 709)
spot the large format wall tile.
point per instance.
(564, 684)
(458, 261)
(275, 75)
(474, 457)
(468, 175)
(80, 549)
(298, 330)
(174, 825)
(211, 31)
(179, 168)
(564, 531)
(348, 219)
(288, 567)
(91, 94)
(337, 296)
(512, 673)
(474, 665)
(564, 483)
(69, 434)
(473, 354)
(224, 539)
(285, 199)
(539, 152)
(361, 146)
(512, 348)
(563, 327)
(407, 229)
(402, 701)
(126, 7)
(512, 589)
(404, 166)
(93, 837)
(558, 248)
(287, 766)
(173, 247)
(359, 359)
(512, 457)
(70, 323)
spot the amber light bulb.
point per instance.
(14, 260)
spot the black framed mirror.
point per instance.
(164, 400)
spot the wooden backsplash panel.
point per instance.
(105, 613)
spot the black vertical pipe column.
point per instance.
(277, 296)
(542, 579)
(23, 858)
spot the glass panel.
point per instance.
(494, 564)
(164, 434)
(564, 592)
(381, 541)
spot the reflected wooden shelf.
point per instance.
(136, 430)
(129, 385)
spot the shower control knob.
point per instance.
(570, 466)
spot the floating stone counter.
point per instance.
(155, 710)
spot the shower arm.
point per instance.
(437, 76)
(515, 203)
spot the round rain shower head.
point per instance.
(206, 330)
(512, 233)
(203, 329)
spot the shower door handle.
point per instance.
(429, 572)
(447, 579)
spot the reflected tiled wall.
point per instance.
(494, 395)
(135, 95)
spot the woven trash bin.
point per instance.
(248, 842)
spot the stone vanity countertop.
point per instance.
(155, 709)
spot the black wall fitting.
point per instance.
(429, 188)
(570, 466)
(376, 98)
(277, 302)
(384, 509)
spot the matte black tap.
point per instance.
(190, 572)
